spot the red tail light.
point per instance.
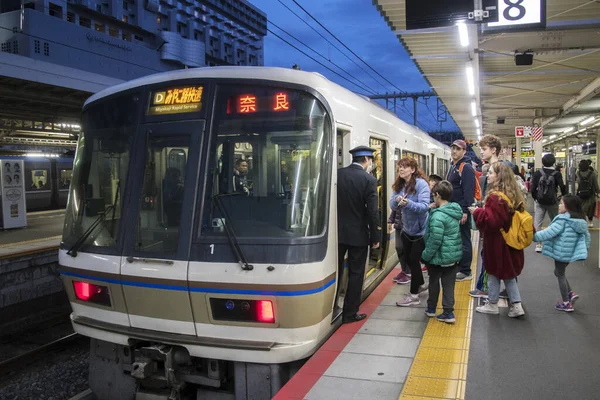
(86, 291)
(265, 312)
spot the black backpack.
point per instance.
(584, 189)
(546, 190)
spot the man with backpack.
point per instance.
(465, 184)
(544, 190)
(587, 190)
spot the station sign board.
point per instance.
(12, 187)
(439, 13)
(519, 14)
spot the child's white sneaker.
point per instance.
(488, 308)
(516, 310)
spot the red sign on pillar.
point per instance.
(519, 131)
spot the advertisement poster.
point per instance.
(14, 213)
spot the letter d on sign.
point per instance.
(159, 98)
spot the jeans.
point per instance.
(482, 280)
(563, 283)
(511, 288)
(413, 249)
(448, 278)
(467, 246)
(540, 212)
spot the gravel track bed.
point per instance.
(61, 376)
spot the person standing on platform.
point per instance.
(587, 190)
(462, 177)
(411, 195)
(567, 239)
(501, 261)
(490, 146)
(395, 222)
(544, 190)
(443, 251)
(358, 225)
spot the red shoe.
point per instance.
(424, 269)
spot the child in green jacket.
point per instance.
(443, 251)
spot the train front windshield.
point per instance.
(260, 157)
(269, 164)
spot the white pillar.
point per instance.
(538, 149)
(518, 150)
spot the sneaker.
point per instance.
(560, 306)
(408, 301)
(503, 294)
(591, 225)
(422, 288)
(424, 269)
(478, 294)
(573, 298)
(488, 308)
(447, 317)
(516, 310)
(538, 248)
(397, 277)
(463, 277)
(403, 279)
(430, 312)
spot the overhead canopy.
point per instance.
(559, 90)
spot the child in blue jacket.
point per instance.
(564, 242)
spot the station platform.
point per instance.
(399, 353)
(43, 232)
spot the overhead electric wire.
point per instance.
(318, 62)
(347, 48)
(322, 56)
(334, 46)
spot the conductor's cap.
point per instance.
(362, 151)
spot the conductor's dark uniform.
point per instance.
(358, 227)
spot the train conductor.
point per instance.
(358, 225)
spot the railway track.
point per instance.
(18, 363)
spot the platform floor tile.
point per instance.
(431, 369)
(332, 388)
(386, 327)
(431, 387)
(370, 367)
(399, 313)
(383, 345)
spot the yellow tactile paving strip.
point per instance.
(439, 369)
(26, 242)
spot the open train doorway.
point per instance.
(377, 257)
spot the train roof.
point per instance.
(322, 85)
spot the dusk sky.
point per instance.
(358, 24)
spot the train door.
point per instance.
(156, 252)
(377, 256)
(342, 143)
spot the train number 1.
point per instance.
(212, 249)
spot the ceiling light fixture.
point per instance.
(463, 33)
(473, 108)
(470, 80)
(588, 120)
(570, 129)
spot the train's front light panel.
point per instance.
(242, 310)
(92, 293)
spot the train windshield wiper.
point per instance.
(99, 219)
(232, 239)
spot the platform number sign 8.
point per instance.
(520, 12)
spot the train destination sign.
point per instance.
(176, 100)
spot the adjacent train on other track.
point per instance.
(188, 288)
(47, 181)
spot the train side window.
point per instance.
(162, 194)
(65, 178)
(37, 179)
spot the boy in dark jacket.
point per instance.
(443, 251)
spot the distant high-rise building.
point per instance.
(126, 39)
